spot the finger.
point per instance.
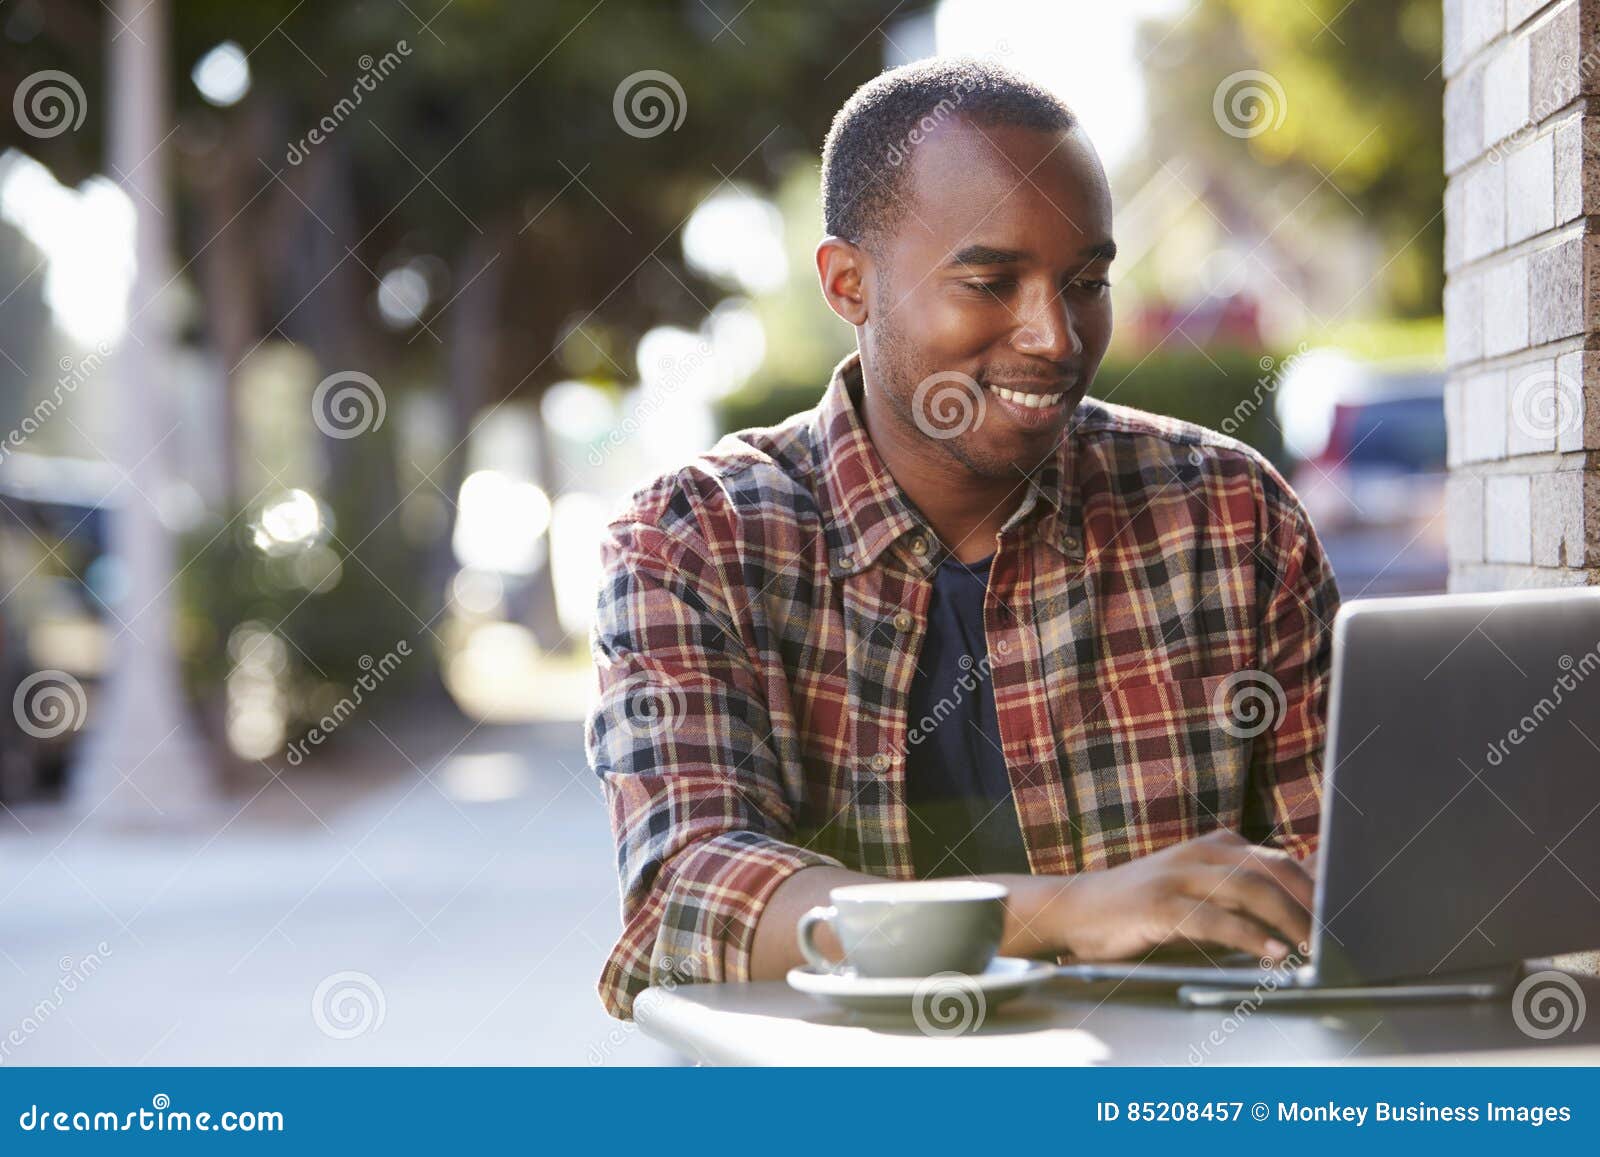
(1276, 862)
(1288, 871)
(1209, 923)
(1252, 893)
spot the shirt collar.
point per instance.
(864, 511)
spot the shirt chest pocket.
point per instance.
(1169, 758)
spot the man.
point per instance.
(961, 619)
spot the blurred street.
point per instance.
(465, 889)
(331, 336)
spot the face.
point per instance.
(985, 309)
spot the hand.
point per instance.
(1219, 889)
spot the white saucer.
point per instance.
(945, 1003)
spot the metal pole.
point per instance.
(141, 762)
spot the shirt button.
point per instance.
(879, 763)
(846, 562)
(919, 545)
(1071, 543)
(904, 621)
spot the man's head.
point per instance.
(969, 240)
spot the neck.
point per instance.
(966, 510)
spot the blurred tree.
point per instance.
(496, 155)
(24, 330)
(512, 156)
(1361, 126)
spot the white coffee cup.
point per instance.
(911, 928)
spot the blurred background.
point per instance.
(329, 334)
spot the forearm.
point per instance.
(776, 949)
(1029, 929)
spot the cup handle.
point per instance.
(808, 947)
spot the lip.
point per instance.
(1033, 417)
(1036, 385)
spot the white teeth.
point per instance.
(1032, 401)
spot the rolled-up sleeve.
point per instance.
(1299, 597)
(679, 736)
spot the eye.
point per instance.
(1096, 286)
(991, 287)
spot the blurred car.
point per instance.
(52, 625)
(1375, 487)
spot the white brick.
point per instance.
(1455, 224)
(1531, 417)
(1505, 308)
(1483, 417)
(1517, 11)
(1463, 319)
(1574, 400)
(1568, 149)
(1463, 118)
(1482, 22)
(1508, 576)
(1530, 189)
(1505, 90)
(1463, 502)
(1508, 533)
(1557, 501)
(1454, 28)
(1486, 211)
(1454, 433)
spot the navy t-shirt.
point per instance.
(963, 819)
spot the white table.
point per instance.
(1071, 1023)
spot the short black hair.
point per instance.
(864, 169)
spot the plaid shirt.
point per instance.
(1158, 622)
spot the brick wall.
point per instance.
(1522, 294)
(1522, 297)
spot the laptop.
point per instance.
(1460, 827)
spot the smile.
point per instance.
(1031, 401)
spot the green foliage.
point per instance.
(1225, 390)
(1362, 125)
(339, 608)
(767, 405)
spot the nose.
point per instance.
(1046, 329)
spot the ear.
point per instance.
(843, 267)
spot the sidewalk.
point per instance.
(452, 912)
